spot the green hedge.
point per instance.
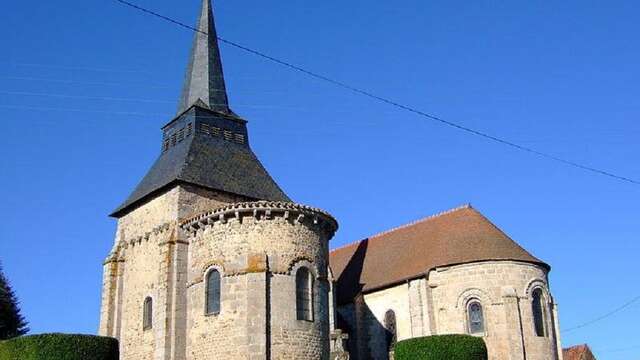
(59, 347)
(442, 347)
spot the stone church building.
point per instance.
(212, 260)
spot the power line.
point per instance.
(169, 115)
(600, 318)
(79, 82)
(84, 68)
(43, 108)
(128, 84)
(17, 107)
(84, 97)
(392, 102)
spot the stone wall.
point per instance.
(149, 258)
(378, 303)
(258, 248)
(406, 300)
(437, 304)
(504, 290)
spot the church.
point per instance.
(212, 259)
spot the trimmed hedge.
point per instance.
(59, 347)
(442, 347)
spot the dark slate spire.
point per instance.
(206, 145)
(204, 80)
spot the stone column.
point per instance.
(429, 309)
(117, 316)
(556, 329)
(178, 316)
(513, 318)
(109, 284)
(259, 347)
(416, 307)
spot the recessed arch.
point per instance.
(533, 284)
(471, 293)
(302, 262)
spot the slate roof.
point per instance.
(208, 161)
(578, 352)
(204, 78)
(206, 145)
(458, 236)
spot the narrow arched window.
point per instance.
(147, 314)
(475, 317)
(213, 292)
(390, 329)
(539, 309)
(304, 294)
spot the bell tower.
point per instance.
(208, 203)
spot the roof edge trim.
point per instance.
(415, 222)
(118, 213)
(414, 277)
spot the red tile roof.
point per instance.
(578, 352)
(458, 236)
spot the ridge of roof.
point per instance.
(422, 220)
(407, 225)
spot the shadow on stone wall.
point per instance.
(367, 337)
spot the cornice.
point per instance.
(263, 210)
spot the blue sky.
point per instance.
(84, 88)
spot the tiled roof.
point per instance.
(458, 236)
(578, 352)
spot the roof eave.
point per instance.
(127, 208)
(418, 276)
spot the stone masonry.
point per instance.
(436, 304)
(149, 259)
(256, 246)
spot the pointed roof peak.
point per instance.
(204, 79)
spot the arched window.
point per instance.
(475, 317)
(304, 294)
(147, 314)
(390, 329)
(212, 300)
(539, 312)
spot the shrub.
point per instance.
(59, 347)
(449, 347)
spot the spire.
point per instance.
(206, 145)
(204, 80)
